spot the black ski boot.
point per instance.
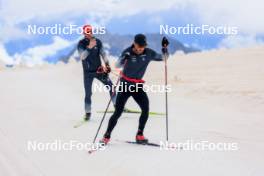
(87, 116)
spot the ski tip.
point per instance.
(79, 124)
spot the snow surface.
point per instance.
(217, 96)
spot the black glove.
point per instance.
(164, 42)
(104, 76)
(108, 68)
(126, 55)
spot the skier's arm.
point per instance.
(156, 56)
(83, 51)
(121, 60)
(160, 57)
(103, 54)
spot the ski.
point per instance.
(149, 144)
(80, 123)
(91, 151)
(136, 143)
(134, 112)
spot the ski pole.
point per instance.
(104, 113)
(97, 132)
(115, 74)
(165, 44)
(166, 96)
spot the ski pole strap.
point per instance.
(133, 80)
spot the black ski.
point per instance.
(146, 143)
(149, 144)
(136, 143)
(91, 151)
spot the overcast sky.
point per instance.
(246, 15)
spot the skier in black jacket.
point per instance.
(91, 51)
(134, 61)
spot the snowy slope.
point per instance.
(44, 103)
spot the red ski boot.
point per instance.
(104, 141)
(140, 139)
